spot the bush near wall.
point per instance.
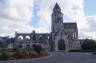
(89, 44)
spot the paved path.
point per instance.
(61, 57)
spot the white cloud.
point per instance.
(91, 30)
(91, 35)
(72, 9)
(15, 16)
(21, 9)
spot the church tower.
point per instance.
(57, 26)
(64, 35)
(57, 21)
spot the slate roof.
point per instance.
(56, 6)
(70, 25)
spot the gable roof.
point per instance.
(70, 25)
(56, 6)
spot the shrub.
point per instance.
(0, 53)
(25, 53)
(89, 44)
(10, 50)
(29, 53)
(32, 53)
(38, 48)
(4, 55)
(44, 52)
(12, 53)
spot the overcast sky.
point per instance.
(27, 15)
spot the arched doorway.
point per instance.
(61, 44)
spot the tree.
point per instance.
(38, 48)
(2, 45)
(89, 44)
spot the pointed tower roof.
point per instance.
(56, 7)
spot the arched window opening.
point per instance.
(61, 44)
(48, 37)
(20, 37)
(28, 37)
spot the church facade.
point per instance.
(63, 36)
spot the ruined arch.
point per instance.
(41, 39)
(20, 37)
(28, 37)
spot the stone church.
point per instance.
(63, 36)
